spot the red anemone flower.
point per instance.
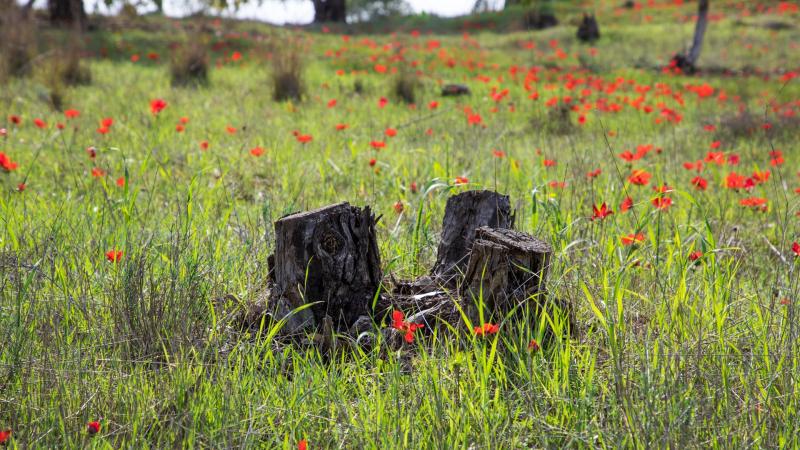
(71, 113)
(377, 144)
(93, 428)
(40, 123)
(796, 249)
(486, 329)
(256, 151)
(632, 239)
(533, 346)
(4, 435)
(114, 255)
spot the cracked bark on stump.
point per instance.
(329, 255)
(463, 215)
(506, 268)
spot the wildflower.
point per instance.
(121, 182)
(3, 132)
(377, 145)
(179, 128)
(433, 104)
(399, 323)
(6, 163)
(40, 123)
(715, 145)
(382, 102)
(594, 173)
(662, 202)
(557, 184)
(236, 56)
(92, 152)
(341, 126)
(157, 105)
(533, 346)
(184, 120)
(785, 302)
(626, 204)
(4, 435)
(304, 138)
(302, 445)
(21, 187)
(372, 162)
(398, 207)
(699, 183)
(640, 177)
(413, 187)
(486, 329)
(757, 203)
(735, 181)
(390, 132)
(695, 255)
(331, 103)
(796, 249)
(107, 122)
(256, 151)
(776, 158)
(549, 163)
(632, 239)
(230, 129)
(461, 180)
(114, 255)
(204, 145)
(602, 212)
(98, 172)
(16, 120)
(474, 119)
(93, 428)
(71, 113)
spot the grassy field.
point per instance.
(686, 297)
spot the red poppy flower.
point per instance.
(474, 119)
(204, 145)
(179, 128)
(153, 56)
(715, 145)
(408, 328)
(372, 162)
(390, 132)
(256, 151)
(21, 187)
(601, 212)
(6, 163)
(776, 158)
(92, 152)
(695, 255)
(302, 445)
(461, 180)
(71, 113)
(594, 173)
(121, 181)
(60, 126)
(40, 123)
(382, 102)
(107, 122)
(549, 163)
(640, 177)
(114, 255)
(557, 184)
(341, 126)
(398, 207)
(134, 58)
(98, 172)
(4, 435)
(754, 203)
(796, 249)
(380, 68)
(486, 329)
(377, 145)
(413, 187)
(304, 138)
(632, 239)
(230, 129)
(93, 428)
(433, 104)
(699, 183)
(16, 120)
(236, 56)
(157, 105)
(533, 346)
(499, 153)
(331, 103)
(626, 204)
(760, 177)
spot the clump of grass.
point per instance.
(189, 65)
(287, 73)
(405, 87)
(557, 120)
(16, 44)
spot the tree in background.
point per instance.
(687, 61)
(69, 12)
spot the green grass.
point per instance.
(666, 352)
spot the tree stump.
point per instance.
(505, 268)
(329, 255)
(588, 30)
(463, 214)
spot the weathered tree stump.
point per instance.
(329, 255)
(505, 269)
(588, 30)
(455, 90)
(463, 215)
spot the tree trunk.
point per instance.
(463, 214)
(505, 268)
(330, 11)
(588, 30)
(687, 62)
(330, 256)
(68, 12)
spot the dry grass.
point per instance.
(16, 44)
(189, 65)
(287, 73)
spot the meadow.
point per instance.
(136, 220)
